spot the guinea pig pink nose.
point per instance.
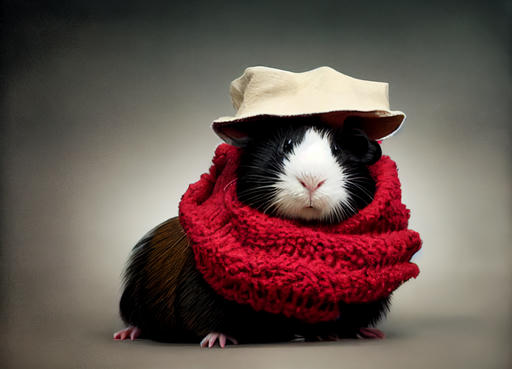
(311, 184)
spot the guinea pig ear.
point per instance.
(361, 148)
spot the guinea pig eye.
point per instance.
(335, 148)
(288, 145)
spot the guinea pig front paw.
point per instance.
(211, 338)
(131, 331)
(371, 333)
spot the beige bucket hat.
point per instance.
(264, 94)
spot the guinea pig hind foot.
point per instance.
(129, 332)
(371, 333)
(211, 338)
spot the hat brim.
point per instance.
(377, 124)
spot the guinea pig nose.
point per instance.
(311, 184)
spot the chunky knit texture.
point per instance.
(298, 270)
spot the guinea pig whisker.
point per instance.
(362, 198)
(362, 189)
(229, 184)
(334, 217)
(253, 197)
(270, 206)
(358, 184)
(338, 210)
(352, 175)
(269, 185)
(262, 178)
(259, 189)
(356, 178)
(351, 207)
(267, 170)
(279, 203)
(342, 211)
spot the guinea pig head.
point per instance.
(308, 172)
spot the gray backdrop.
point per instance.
(105, 121)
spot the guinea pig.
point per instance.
(307, 172)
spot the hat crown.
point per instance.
(275, 91)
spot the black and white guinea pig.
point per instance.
(307, 172)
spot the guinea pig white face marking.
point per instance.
(312, 183)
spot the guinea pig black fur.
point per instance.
(307, 172)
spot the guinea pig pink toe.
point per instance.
(134, 333)
(222, 341)
(131, 332)
(211, 338)
(371, 333)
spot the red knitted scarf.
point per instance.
(299, 270)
